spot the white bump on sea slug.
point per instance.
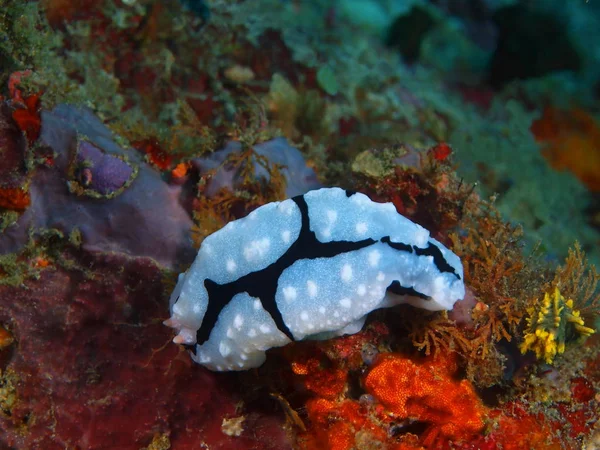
(361, 228)
(185, 336)
(178, 310)
(238, 321)
(289, 293)
(440, 287)
(346, 303)
(360, 199)
(202, 357)
(231, 265)
(287, 207)
(312, 288)
(257, 249)
(421, 237)
(346, 272)
(224, 349)
(257, 245)
(374, 257)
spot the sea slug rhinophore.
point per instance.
(310, 267)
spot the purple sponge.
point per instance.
(98, 174)
(139, 216)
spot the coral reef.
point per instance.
(184, 115)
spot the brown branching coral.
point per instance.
(578, 280)
(420, 185)
(212, 212)
(501, 281)
(439, 334)
(251, 125)
(497, 272)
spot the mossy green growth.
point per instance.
(9, 380)
(7, 218)
(44, 250)
(379, 163)
(75, 237)
(327, 80)
(24, 36)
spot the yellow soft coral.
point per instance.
(550, 324)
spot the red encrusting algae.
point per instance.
(427, 392)
(155, 155)
(15, 199)
(28, 118)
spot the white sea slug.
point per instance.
(312, 266)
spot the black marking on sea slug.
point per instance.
(397, 288)
(397, 245)
(431, 250)
(438, 259)
(262, 284)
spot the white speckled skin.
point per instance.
(321, 297)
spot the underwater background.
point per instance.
(132, 129)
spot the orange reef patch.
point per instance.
(311, 366)
(335, 425)
(15, 199)
(441, 151)
(407, 403)
(571, 141)
(155, 155)
(28, 118)
(427, 392)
